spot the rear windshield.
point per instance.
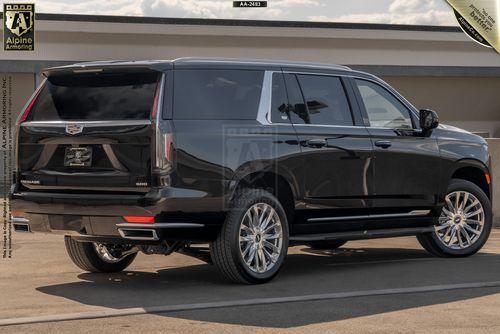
(103, 96)
(217, 94)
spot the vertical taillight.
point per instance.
(154, 109)
(30, 105)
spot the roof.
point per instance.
(195, 62)
(240, 23)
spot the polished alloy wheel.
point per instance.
(112, 255)
(260, 237)
(461, 221)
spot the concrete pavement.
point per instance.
(40, 281)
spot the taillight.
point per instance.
(154, 109)
(139, 219)
(27, 111)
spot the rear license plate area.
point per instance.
(80, 156)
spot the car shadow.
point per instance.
(305, 273)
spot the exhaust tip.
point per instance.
(138, 234)
(21, 227)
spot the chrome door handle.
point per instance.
(383, 143)
(317, 143)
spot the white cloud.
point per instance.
(431, 12)
(425, 12)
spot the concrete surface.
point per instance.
(40, 280)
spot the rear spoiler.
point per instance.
(98, 67)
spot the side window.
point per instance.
(326, 100)
(383, 109)
(217, 94)
(298, 112)
(279, 102)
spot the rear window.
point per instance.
(217, 94)
(103, 96)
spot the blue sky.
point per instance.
(429, 12)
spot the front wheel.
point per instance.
(99, 258)
(253, 241)
(464, 223)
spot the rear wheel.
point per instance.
(464, 223)
(99, 258)
(326, 244)
(253, 241)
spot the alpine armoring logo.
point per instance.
(19, 27)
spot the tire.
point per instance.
(233, 256)
(326, 244)
(86, 257)
(432, 242)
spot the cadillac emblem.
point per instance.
(74, 129)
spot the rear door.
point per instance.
(89, 131)
(407, 164)
(337, 151)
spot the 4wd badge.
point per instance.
(19, 27)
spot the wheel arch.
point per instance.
(277, 184)
(473, 171)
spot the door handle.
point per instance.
(383, 143)
(317, 143)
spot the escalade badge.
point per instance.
(74, 129)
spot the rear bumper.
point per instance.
(180, 214)
(113, 229)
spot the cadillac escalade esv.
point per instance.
(245, 156)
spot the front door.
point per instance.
(407, 164)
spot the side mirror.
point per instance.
(428, 120)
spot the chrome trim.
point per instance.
(87, 124)
(153, 237)
(159, 225)
(264, 111)
(19, 220)
(390, 215)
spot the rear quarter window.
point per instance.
(217, 94)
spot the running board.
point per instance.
(414, 213)
(366, 234)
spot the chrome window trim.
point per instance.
(264, 113)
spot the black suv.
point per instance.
(245, 156)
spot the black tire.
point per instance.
(85, 256)
(326, 244)
(431, 242)
(225, 250)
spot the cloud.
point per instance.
(425, 12)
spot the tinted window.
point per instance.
(217, 94)
(298, 111)
(96, 97)
(279, 110)
(326, 100)
(383, 109)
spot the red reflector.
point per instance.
(139, 219)
(17, 214)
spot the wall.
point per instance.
(467, 102)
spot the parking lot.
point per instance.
(387, 285)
